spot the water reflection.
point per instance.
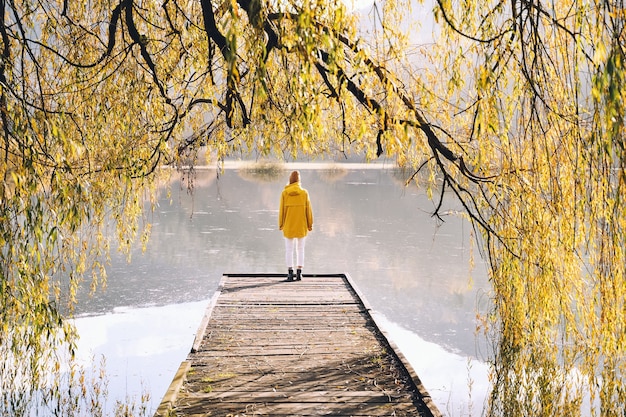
(412, 269)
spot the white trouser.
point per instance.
(296, 244)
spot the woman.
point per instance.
(295, 219)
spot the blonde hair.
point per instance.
(294, 177)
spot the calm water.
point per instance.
(412, 269)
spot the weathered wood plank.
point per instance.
(272, 348)
(302, 410)
(299, 397)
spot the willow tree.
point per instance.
(540, 87)
(515, 109)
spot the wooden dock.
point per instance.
(267, 347)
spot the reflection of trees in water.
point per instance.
(332, 173)
(187, 178)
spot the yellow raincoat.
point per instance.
(295, 217)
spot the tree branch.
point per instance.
(6, 58)
(141, 41)
(232, 77)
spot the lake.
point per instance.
(413, 269)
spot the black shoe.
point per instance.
(290, 275)
(299, 275)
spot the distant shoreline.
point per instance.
(296, 165)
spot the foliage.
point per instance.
(516, 109)
(545, 132)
